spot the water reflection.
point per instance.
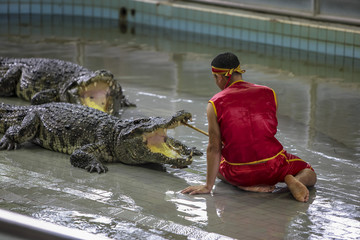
(240, 214)
(338, 220)
(97, 224)
(193, 210)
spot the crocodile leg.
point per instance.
(18, 134)
(72, 96)
(87, 157)
(124, 102)
(48, 95)
(8, 82)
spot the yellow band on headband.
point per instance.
(226, 71)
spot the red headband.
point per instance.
(227, 72)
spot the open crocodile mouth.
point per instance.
(145, 140)
(156, 142)
(96, 94)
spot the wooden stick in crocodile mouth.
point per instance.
(195, 128)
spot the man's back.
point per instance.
(246, 114)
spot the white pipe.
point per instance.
(16, 225)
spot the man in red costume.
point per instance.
(242, 148)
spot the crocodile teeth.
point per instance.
(191, 155)
(189, 158)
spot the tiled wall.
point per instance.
(339, 40)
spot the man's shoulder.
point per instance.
(261, 87)
(216, 96)
(258, 85)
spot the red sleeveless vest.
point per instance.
(246, 114)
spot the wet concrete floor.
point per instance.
(318, 121)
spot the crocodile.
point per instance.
(44, 80)
(93, 137)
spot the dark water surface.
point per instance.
(164, 71)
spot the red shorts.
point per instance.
(263, 172)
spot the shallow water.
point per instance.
(164, 71)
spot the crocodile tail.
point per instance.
(11, 115)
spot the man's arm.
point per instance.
(213, 155)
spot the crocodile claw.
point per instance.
(96, 166)
(7, 144)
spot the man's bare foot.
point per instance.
(258, 188)
(297, 189)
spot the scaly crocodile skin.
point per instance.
(42, 80)
(93, 137)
